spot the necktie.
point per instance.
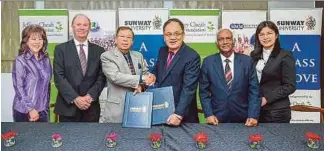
(228, 73)
(83, 59)
(130, 63)
(169, 60)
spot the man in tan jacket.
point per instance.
(125, 71)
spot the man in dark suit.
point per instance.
(178, 66)
(229, 90)
(78, 75)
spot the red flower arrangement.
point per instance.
(56, 136)
(255, 137)
(8, 135)
(201, 137)
(111, 140)
(155, 137)
(112, 136)
(313, 136)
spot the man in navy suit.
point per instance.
(178, 66)
(229, 89)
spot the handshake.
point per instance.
(149, 79)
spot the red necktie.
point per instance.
(169, 60)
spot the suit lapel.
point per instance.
(237, 70)
(174, 61)
(266, 66)
(161, 69)
(122, 61)
(135, 61)
(91, 55)
(220, 70)
(74, 51)
(272, 57)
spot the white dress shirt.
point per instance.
(231, 63)
(262, 62)
(85, 47)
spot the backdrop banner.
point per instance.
(300, 32)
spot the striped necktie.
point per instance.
(83, 59)
(130, 63)
(228, 73)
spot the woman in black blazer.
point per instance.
(276, 73)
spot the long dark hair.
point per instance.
(257, 53)
(25, 35)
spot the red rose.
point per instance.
(255, 137)
(313, 136)
(111, 136)
(8, 135)
(56, 136)
(155, 137)
(201, 137)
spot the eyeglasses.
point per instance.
(176, 34)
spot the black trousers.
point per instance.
(90, 115)
(275, 116)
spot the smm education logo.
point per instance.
(242, 26)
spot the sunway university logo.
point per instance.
(210, 26)
(157, 22)
(310, 23)
(59, 27)
(94, 26)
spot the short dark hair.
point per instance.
(257, 45)
(174, 20)
(124, 28)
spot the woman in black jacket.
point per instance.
(276, 73)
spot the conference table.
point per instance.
(223, 137)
